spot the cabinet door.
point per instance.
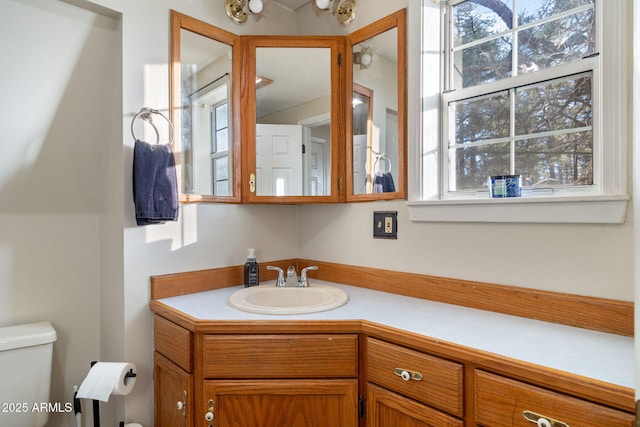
(173, 390)
(279, 403)
(388, 409)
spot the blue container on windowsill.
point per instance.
(501, 186)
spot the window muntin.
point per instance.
(490, 44)
(541, 125)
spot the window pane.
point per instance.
(222, 188)
(220, 166)
(543, 9)
(222, 140)
(483, 42)
(483, 63)
(555, 105)
(472, 21)
(474, 165)
(221, 116)
(556, 42)
(481, 118)
(562, 160)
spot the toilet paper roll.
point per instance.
(133, 425)
(105, 379)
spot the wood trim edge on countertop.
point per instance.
(600, 314)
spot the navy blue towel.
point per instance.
(155, 189)
(383, 183)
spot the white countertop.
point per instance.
(598, 355)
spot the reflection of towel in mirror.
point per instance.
(155, 190)
(383, 183)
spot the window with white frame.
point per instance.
(519, 94)
(529, 87)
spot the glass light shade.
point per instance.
(323, 4)
(255, 6)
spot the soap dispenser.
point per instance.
(251, 269)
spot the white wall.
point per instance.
(57, 147)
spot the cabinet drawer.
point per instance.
(281, 356)
(441, 383)
(501, 402)
(173, 341)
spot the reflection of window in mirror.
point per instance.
(205, 131)
(362, 154)
(205, 67)
(202, 110)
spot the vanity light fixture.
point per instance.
(364, 58)
(262, 82)
(343, 10)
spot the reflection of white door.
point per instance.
(359, 164)
(316, 167)
(278, 160)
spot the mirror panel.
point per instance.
(293, 121)
(202, 107)
(294, 87)
(377, 130)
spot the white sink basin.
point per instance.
(269, 299)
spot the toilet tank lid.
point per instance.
(26, 335)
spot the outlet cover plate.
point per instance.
(385, 225)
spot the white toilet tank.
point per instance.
(26, 353)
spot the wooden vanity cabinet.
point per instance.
(302, 380)
(408, 385)
(312, 380)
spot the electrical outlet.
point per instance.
(388, 224)
(385, 225)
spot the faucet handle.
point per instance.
(292, 277)
(303, 275)
(280, 281)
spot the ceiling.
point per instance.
(292, 4)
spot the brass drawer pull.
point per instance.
(542, 421)
(407, 375)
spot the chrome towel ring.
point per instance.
(146, 114)
(382, 164)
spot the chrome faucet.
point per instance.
(303, 276)
(292, 277)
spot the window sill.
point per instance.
(559, 210)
